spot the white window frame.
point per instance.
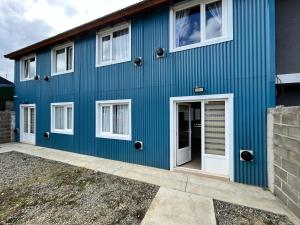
(111, 135)
(53, 58)
(65, 105)
(109, 32)
(227, 24)
(22, 78)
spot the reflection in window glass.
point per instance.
(105, 49)
(214, 20)
(59, 117)
(188, 26)
(120, 44)
(106, 119)
(69, 118)
(69, 58)
(121, 119)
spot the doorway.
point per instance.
(201, 131)
(27, 124)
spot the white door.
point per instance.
(215, 155)
(184, 152)
(27, 124)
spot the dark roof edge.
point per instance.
(110, 19)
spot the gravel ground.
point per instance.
(39, 191)
(231, 214)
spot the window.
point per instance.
(62, 117)
(113, 119)
(63, 59)
(113, 45)
(200, 22)
(28, 68)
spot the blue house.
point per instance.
(178, 85)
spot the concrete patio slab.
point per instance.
(171, 207)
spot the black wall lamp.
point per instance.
(246, 155)
(36, 77)
(138, 61)
(138, 145)
(47, 78)
(160, 53)
(16, 131)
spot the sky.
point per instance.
(24, 22)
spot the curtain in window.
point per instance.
(32, 119)
(59, 117)
(105, 54)
(69, 118)
(188, 26)
(215, 128)
(106, 119)
(32, 67)
(26, 69)
(214, 20)
(60, 60)
(26, 120)
(69, 58)
(121, 119)
(120, 44)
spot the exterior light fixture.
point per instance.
(199, 90)
(138, 61)
(246, 156)
(36, 77)
(138, 145)
(160, 53)
(46, 78)
(16, 130)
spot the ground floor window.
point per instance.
(113, 119)
(62, 116)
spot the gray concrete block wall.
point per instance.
(7, 124)
(284, 155)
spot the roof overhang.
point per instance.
(108, 20)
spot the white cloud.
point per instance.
(28, 21)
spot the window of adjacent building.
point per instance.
(200, 22)
(113, 45)
(62, 117)
(28, 68)
(63, 59)
(113, 119)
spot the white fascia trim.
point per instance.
(110, 135)
(54, 49)
(290, 78)
(57, 131)
(108, 31)
(21, 67)
(227, 9)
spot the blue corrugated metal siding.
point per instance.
(243, 66)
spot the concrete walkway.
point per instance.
(182, 198)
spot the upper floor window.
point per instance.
(113, 45)
(200, 22)
(28, 68)
(62, 117)
(63, 59)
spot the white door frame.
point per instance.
(173, 111)
(22, 106)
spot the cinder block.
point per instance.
(277, 182)
(294, 208)
(290, 118)
(293, 132)
(290, 167)
(277, 160)
(280, 129)
(280, 173)
(290, 192)
(294, 182)
(277, 118)
(287, 143)
(293, 157)
(280, 195)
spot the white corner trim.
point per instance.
(288, 78)
(109, 31)
(58, 47)
(98, 120)
(229, 98)
(52, 120)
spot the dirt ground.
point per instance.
(229, 214)
(39, 191)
